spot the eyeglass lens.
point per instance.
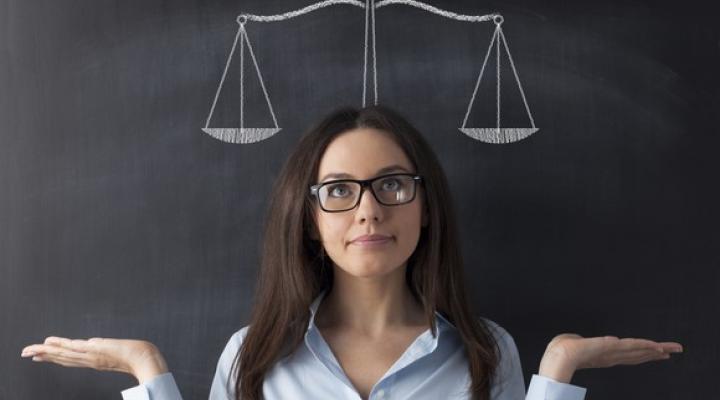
(391, 190)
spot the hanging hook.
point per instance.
(498, 19)
(242, 19)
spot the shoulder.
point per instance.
(509, 357)
(501, 335)
(233, 346)
(238, 337)
(221, 388)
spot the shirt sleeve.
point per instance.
(161, 387)
(509, 383)
(542, 387)
(164, 387)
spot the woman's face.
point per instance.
(361, 154)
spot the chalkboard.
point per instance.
(120, 217)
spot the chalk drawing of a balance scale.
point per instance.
(245, 135)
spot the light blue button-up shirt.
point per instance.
(431, 368)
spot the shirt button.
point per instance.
(380, 394)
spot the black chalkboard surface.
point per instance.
(120, 217)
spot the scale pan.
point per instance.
(241, 135)
(499, 135)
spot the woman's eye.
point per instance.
(338, 190)
(390, 184)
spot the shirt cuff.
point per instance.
(161, 387)
(542, 387)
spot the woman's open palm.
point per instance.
(134, 357)
(608, 351)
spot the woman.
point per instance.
(360, 294)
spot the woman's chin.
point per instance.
(370, 270)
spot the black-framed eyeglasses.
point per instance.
(344, 194)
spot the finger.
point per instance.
(41, 347)
(632, 344)
(671, 347)
(77, 345)
(637, 356)
(54, 351)
(65, 358)
(65, 361)
(28, 351)
(614, 357)
(52, 339)
(69, 358)
(643, 358)
(35, 349)
(612, 344)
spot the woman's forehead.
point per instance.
(362, 153)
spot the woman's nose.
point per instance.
(369, 206)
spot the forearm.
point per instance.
(555, 367)
(149, 366)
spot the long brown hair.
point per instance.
(292, 273)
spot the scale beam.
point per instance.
(242, 134)
(357, 3)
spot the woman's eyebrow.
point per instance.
(342, 175)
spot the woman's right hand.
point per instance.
(139, 358)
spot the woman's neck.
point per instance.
(369, 306)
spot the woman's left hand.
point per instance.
(569, 352)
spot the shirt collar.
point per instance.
(423, 345)
(316, 303)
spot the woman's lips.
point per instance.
(372, 243)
